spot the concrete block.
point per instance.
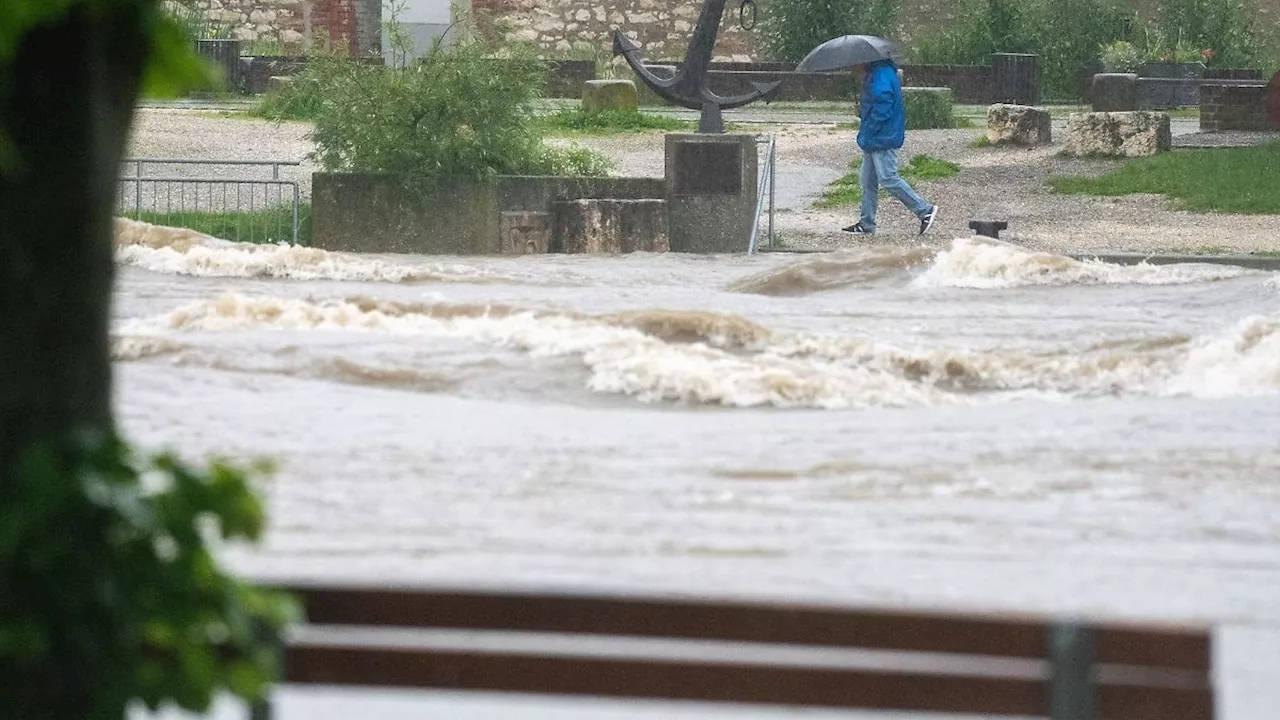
(1118, 134)
(524, 232)
(610, 226)
(1018, 125)
(1114, 92)
(600, 95)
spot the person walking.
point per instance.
(881, 133)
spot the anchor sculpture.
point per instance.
(688, 87)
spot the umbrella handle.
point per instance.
(742, 14)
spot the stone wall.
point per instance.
(354, 26)
(661, 27)
(970, 84)
(1235, 107)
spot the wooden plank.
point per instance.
(656, 679)
(1175, 647)
(860, 688)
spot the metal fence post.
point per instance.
(1071, 691)
(773, 183)
(295, 213)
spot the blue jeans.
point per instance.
(880, 170)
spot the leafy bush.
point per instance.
(1066, 34)
(1121, 57)
(458, 112)
(996, 26)
(928, 108)
(111, 592)
(790, 29)
(1219, 32)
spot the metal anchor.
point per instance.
(688, 87)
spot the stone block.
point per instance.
(609, 225)
(1114, 92)
(1018, 125)
(600, 95)
(1118, 134)
(711, 191)
(524, 232)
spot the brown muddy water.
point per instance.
(977, 428)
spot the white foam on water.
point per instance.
(976, 263)
(621, 357)
(707, 358)
(178, 251)
(1244, 360)
(138, 347)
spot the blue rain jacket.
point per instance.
(884, 118)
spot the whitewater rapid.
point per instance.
(708, 357)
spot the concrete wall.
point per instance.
(455, 218)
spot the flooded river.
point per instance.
(971, 427)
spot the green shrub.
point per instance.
(928, 108)
(456, 113)
(111, 591)
(1066, 34)
(1075, 30)
(1120, 57)
(790, 29)
(1217, 32)
(995, 26)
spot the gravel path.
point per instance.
(994, 183)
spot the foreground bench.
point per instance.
(783, 654)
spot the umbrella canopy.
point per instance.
(847, 51)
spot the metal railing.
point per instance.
(236, 208)
(768, 175)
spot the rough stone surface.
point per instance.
(654, 25)
(610, 226)
(524, 232)
(354, 26)
(1018, 125)
(1118, 134)
(600, 95)
(1114, 92)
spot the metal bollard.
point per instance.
(988, 228)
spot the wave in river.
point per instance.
(972, 262)
(980, 263)
(708, 358)
(177, 251)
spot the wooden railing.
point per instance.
(781, 654)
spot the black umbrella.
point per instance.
(847, 51)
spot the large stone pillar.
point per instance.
(711, 191)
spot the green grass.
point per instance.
(258, 226)
(848, 191)
(1235, 180)
(609, 122)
